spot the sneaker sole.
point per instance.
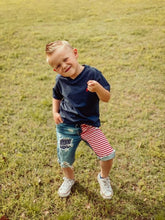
(65, 194)
(105, 197)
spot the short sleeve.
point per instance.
(101, 79)
(57, 94)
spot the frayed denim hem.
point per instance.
(65, 164)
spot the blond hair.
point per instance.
(51, 47)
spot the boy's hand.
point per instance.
(57, 118)
(93, 85)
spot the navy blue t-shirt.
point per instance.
(79, 106)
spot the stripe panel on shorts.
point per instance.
(97, 140)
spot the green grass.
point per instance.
(125, 40)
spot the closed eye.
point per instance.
(58, 66)
(65, 59)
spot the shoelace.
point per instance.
(106, 184)
(66, 183)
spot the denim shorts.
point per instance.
(69, 137)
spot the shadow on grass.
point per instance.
(92, 196)
(104, 207)
(109, 208)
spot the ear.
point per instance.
(75, 51)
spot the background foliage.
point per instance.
(125, 40)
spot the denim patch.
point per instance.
(65, 143)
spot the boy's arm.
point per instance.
(56, 108)
(103, 94)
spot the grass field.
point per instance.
(125, 40)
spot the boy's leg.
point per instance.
(68, 172)
(106, 167)
(65, 188)
(103, 179)
(68, 139)
(97, 141)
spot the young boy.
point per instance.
(76, 96)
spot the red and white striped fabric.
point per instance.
(97, 140)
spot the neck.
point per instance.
(79, 70)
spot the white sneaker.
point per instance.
(65, 188)
(105, 187)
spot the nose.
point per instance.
(64, 65)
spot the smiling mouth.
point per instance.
(67, 69)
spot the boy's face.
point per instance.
(64, 61)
